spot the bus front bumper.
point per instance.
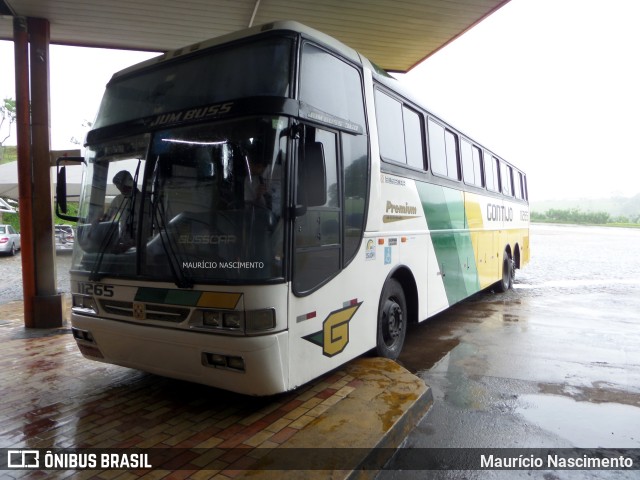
(249, 365)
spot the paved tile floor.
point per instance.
(54, 398)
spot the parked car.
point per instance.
(64, 238)
(9, 240)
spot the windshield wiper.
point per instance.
(158, 219)
(107, 240)
(128, 205)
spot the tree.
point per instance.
(7, 117)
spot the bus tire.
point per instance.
(392, 320)
(508, 272)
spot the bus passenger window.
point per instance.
(506, 177)
(437, 150)
(477, 166)
(443, 148)
(451, 142)
(492, 170)
(488, 171)
(390, 134)
(519, 191)
(413, 138)
(468, 171)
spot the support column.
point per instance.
(23, 132)
(42, 302)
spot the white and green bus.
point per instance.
(260, 208)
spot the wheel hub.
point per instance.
(394, 319)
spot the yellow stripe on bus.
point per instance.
(482, 240)
(219, 300)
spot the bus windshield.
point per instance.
(257, 68)
(194, 204)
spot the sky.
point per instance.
(552, 86)
(77, 80)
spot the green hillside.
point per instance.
(588, 210)
(8, 154)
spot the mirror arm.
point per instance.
(298, 210)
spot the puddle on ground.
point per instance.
(586, 425)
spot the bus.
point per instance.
(260, 208)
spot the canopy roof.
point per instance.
(396, 35)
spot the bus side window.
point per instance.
(519, 186)
(413, 138)
(451, 143)
(496, 173)
(477, 166)
(331, 85)
(488, 171)
(468, 170)
(492, 166)
(437, 150)
(390, 128)
(507, 179)
(443, 150)
(355, 167)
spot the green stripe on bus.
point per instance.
(444, 210)
(168, 296)
(182, 297)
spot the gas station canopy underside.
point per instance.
(396, 35)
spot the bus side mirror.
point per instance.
(312, 177)
(61, 186)
(61, 191)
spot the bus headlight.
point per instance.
(84, 304)
(232, 320)
(261, 320)
(211, 318)
(235, 321)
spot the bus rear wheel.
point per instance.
(508, 272)
(392, 320)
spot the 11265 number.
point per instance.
(98, 289)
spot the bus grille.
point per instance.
(152, 312)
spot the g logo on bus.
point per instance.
(334, 336)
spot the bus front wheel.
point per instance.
(392, 320)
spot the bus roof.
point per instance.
(286, 25)
(292, 26)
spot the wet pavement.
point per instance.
(53, 399)
(11, 276)
(555, 363)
